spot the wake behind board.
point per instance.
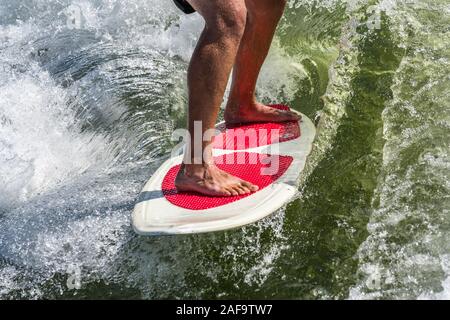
(270, 155)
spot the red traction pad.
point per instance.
(244, 165)
(252, 135)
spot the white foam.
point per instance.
(41, 144)
(67, 220)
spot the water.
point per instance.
(90, 91)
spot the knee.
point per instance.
(280, 4)
(277, 4)
(229, 23)
(266, 7)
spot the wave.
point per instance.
(91, 90)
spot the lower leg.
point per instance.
(208, 74)
(262, 20)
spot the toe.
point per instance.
(250, 186)
(244, 188)
(221, 192)
(292, 116)
(225, 193)
(241, 190)
(295, 116)
(232, 191)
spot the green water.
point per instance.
(372, 216)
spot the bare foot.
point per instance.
(258, 112)
(210, 180)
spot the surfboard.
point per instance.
(270, 155)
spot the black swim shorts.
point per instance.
(184, 6)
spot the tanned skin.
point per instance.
(237, 35)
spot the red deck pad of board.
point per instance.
(252, 135)
(244, 165)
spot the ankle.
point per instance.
(192, 170)
(238, 103)
(241, 110)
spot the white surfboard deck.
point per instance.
(155, 215)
